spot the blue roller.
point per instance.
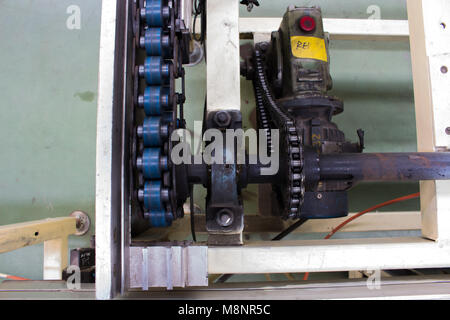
(153, 196)
(156, 43)
(160, 219)
(153, 164)
(153, 132)
(156, 13)
(156, 72)
(156, 100)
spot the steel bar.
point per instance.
(385, 166)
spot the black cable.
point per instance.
(199, 10)
(290, 229)
(223, 278)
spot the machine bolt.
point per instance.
(141, 195)
(139, 163)
(264, 46)
(140, 101)
(225, 217)
(222, 119)
(140, 131)
(83, 222)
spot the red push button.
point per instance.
(307, 23)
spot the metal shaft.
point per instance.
(385, 166)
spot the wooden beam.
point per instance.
(55, 258)
(339, 29)
(16, 236)
(430, 56)
(223, 67)
(328, 255)
(376, 221)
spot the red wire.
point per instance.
(10, 277)
(404, 198)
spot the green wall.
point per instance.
(48, 90)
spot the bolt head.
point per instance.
(222, 119)
(83, 222)
(225, 217)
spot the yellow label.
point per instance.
(309, 48)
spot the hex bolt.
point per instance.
(141, 101)
(142, 13)
(165, 197)
(139, 163)
(264, 46)
(141, 71)
(222, 119)
(141, 195)
(225, 217)
(140, 131)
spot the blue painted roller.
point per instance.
(160, 219)
(156, 72)
(154, 196)
(154, 132)
(156, 43)
(156, 100)
(156, 13)
(153, 164)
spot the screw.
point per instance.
(225, 217)
(139, 163)
(141, 195)
(222, 119)
(264, 46)
(140, 131)
(447, 130)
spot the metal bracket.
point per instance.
(168, 267)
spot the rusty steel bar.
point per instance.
(385, 166)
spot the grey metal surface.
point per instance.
(108, 204)
(407, 288)
(402, 288)
(44, 290)
(168, 267)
